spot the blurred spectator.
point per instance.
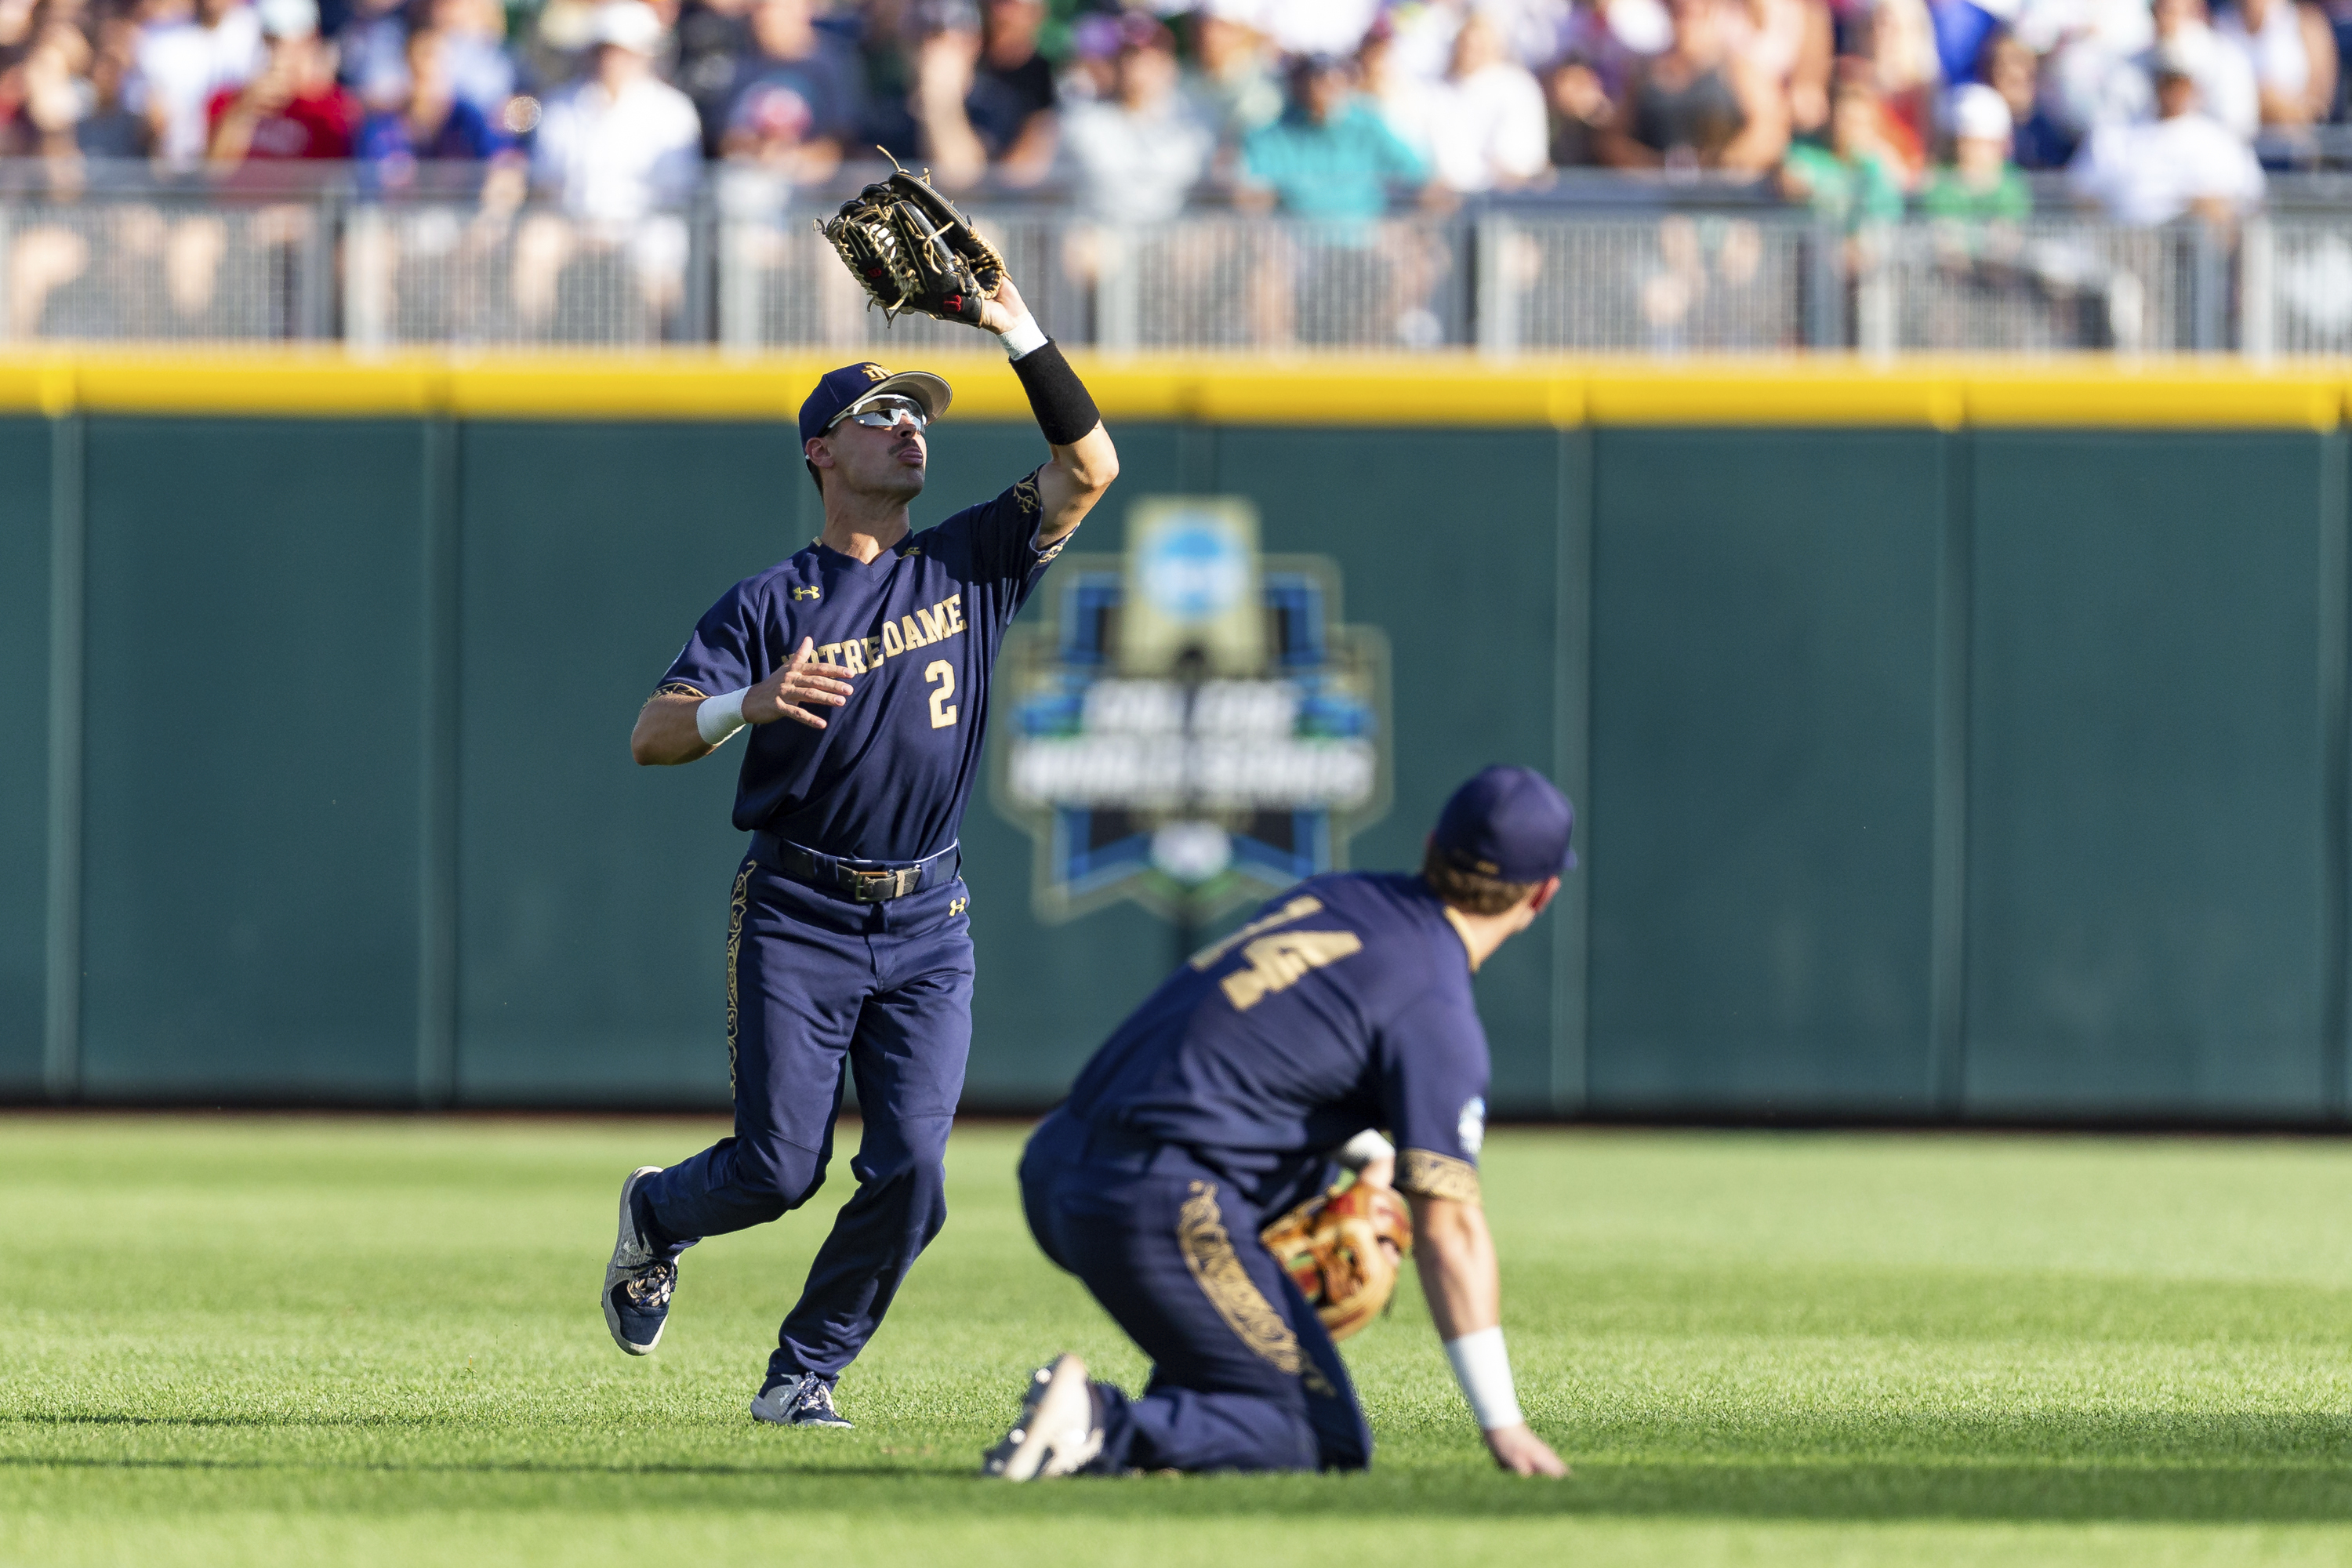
(1602, 45)
(1981, 186)
(2225, 77)
(111, 129)
(294, 108)
(1139, 152)
(2081, 42)
(430, 121)
(1959, 28)
(2291, 51)
(987, 98)
(2182, 161)
(621, 142)
(1487, 125)
(45, 94)
(1788, 44)
(1331, 155)
(2012, 70)
(482, 71)
(1232, 84)
(1850, 182)
(1898, 41)
(796, 100)
(714, 37)
(183, 61)
(1409, 104)
(1695, 106)
(371, 52)
(617, 147)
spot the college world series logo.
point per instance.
(1193, 728)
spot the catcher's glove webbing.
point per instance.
(1336, 1248)
(911, 249)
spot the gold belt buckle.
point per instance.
(873, 887)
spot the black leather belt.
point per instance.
(860, 881)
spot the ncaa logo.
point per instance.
(1473, 1125)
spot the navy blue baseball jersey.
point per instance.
(918, 630)
(1342, 1005)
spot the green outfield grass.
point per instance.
(254, 1341)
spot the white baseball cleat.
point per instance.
(1058, 1432)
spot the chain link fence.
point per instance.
(744, 268)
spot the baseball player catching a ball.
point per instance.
(1342, 1005)
(860, 667)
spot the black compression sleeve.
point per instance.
(1065, 412)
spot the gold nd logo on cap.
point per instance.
(874, 373)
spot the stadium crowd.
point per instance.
(1337, 108)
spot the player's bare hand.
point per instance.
(793, 692)
(1001, 309)
(1380, 1172)
(1521, 1452)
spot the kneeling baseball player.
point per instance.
(1344, 1005)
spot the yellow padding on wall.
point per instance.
(1430, 391)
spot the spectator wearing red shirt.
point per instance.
(295, 108)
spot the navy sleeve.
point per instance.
(1433, 1071)
(1002, 538)
(728, 650)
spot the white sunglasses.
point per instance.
(884, 412)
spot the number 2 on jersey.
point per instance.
(943, 711)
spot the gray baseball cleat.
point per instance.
(637, 1285)
(1058, 1432)
(803, 1401)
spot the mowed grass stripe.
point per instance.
(259, 1340)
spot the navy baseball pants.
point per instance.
(821, 990)
(1243, 1376)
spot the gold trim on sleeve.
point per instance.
(679, 688)
(1209, 1253)
(1432, 1176)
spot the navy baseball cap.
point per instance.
(1509, 823)
(838, 391)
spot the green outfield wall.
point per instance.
(1950, 743)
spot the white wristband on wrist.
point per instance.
(1484, 1370)
(1363, 1149)
(719, 717)
(1023, 336)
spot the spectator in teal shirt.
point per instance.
(1331, 155)
(1848, 181)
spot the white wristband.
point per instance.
(1023, 336)
(719, 717)
(1484, 1370)
(1363, 1149)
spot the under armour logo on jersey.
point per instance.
(874, 373)
(808, 593)
(958, 906)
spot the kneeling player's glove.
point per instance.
(912, 249)
(1342, 1248)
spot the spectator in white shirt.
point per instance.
(615, 150)
(2182, 161)
(2291, 51)
(1140, 151)
(181, 63)
(1489, 128)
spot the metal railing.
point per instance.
(742, 267)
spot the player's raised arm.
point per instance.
(1455, 1256)
(684, 727)
(1084, 462)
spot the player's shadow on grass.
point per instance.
(2077, 1467)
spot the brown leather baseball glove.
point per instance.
(912, 249)
(1342, 1249)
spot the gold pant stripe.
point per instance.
(1209, 1253)
(735, 904)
